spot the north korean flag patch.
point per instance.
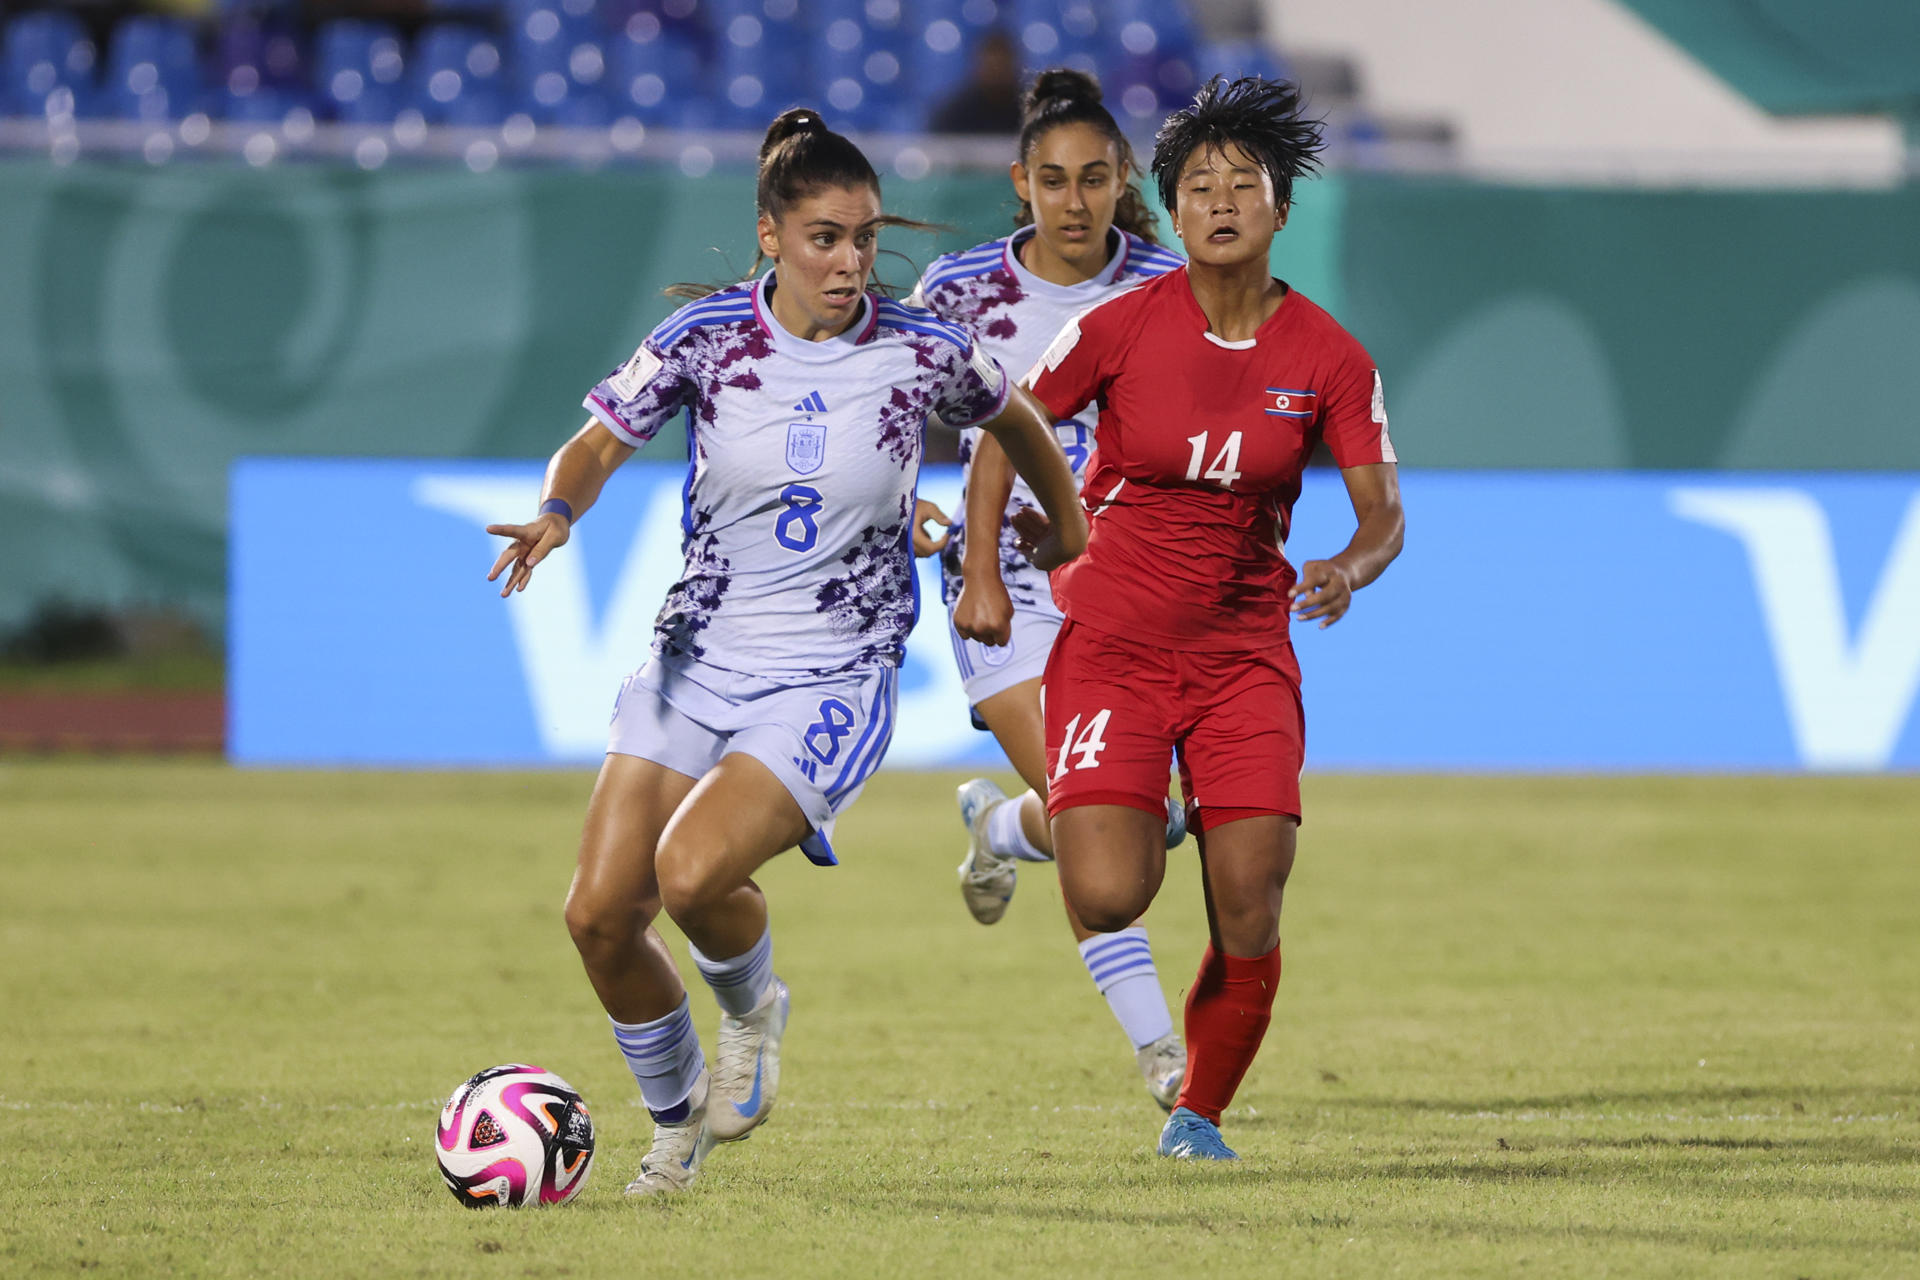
(1292, 402)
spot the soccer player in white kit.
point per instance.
(770, 695)
(1083, 234)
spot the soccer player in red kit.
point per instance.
(1214, 384)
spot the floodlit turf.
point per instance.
(1529, 1027)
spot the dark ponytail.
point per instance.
(798, 157)
(1062, 96)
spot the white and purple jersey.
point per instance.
(1015, 314)
(802, 462)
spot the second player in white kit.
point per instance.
(1087, 238)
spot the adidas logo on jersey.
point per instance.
(812, 404)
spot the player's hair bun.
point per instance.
(790, 123)
(1061, 84)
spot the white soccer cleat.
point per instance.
(678, 1150)
(986, 878)
(747, 1075)
(1164, 1064)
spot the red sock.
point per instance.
(1228, 1009)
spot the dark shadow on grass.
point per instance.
(1700, 1240)
(1889, 1097)
(1760, 1179)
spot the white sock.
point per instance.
(739, 983)
(1121, 965)
(665, 1058)
(1007, 836)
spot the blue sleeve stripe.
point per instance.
(665, 338)
(675, 329)
(729, 304)
(965, 273)
(973, 262)
(915, 320)
(1158, 264)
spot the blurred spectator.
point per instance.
(989, 102)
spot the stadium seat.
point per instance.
(153, 69)
(860, 69)
(1236, 58)
(47, 52)
(763, 39)
(259, 106)
(658, 75)
(457, 76)
(940, 54)
(358, 68)
(560, 71)
(582, 109)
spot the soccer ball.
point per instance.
(514, 1135)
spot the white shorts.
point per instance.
(823, 740)
(986, 670)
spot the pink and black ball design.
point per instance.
(514, 1135)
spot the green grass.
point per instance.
(1529, 1027)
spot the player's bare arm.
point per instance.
(984, 610)
(574, 477)
(1025, 431)
(1325, 587)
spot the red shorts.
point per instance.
(1117, 710)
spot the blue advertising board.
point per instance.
(1536, 621)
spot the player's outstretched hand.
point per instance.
(1322, 592)
(984, 611)
(531, 544)
(1037, 539)
(925, 513)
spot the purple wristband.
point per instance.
(557, 507)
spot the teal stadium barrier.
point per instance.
(156, 325)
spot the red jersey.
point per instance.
(1199, 454)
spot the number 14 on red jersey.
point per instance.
(1225, 467)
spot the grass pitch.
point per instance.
(1528, 1027)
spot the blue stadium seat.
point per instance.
(861, 69)
(358, 69)
(48, 57)
(153, 69)
(658, 76)
(457, 76)
(1237, 58)
(582, 109)
(941, 53)
(259, 106)
(561, 63)
(260, 71)
(762, 39)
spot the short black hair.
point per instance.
(1261, 117)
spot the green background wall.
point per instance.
(156, 324)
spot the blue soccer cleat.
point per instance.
(1191, 1136)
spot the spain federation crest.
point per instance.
(806, 447)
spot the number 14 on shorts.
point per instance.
(1085, 743)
